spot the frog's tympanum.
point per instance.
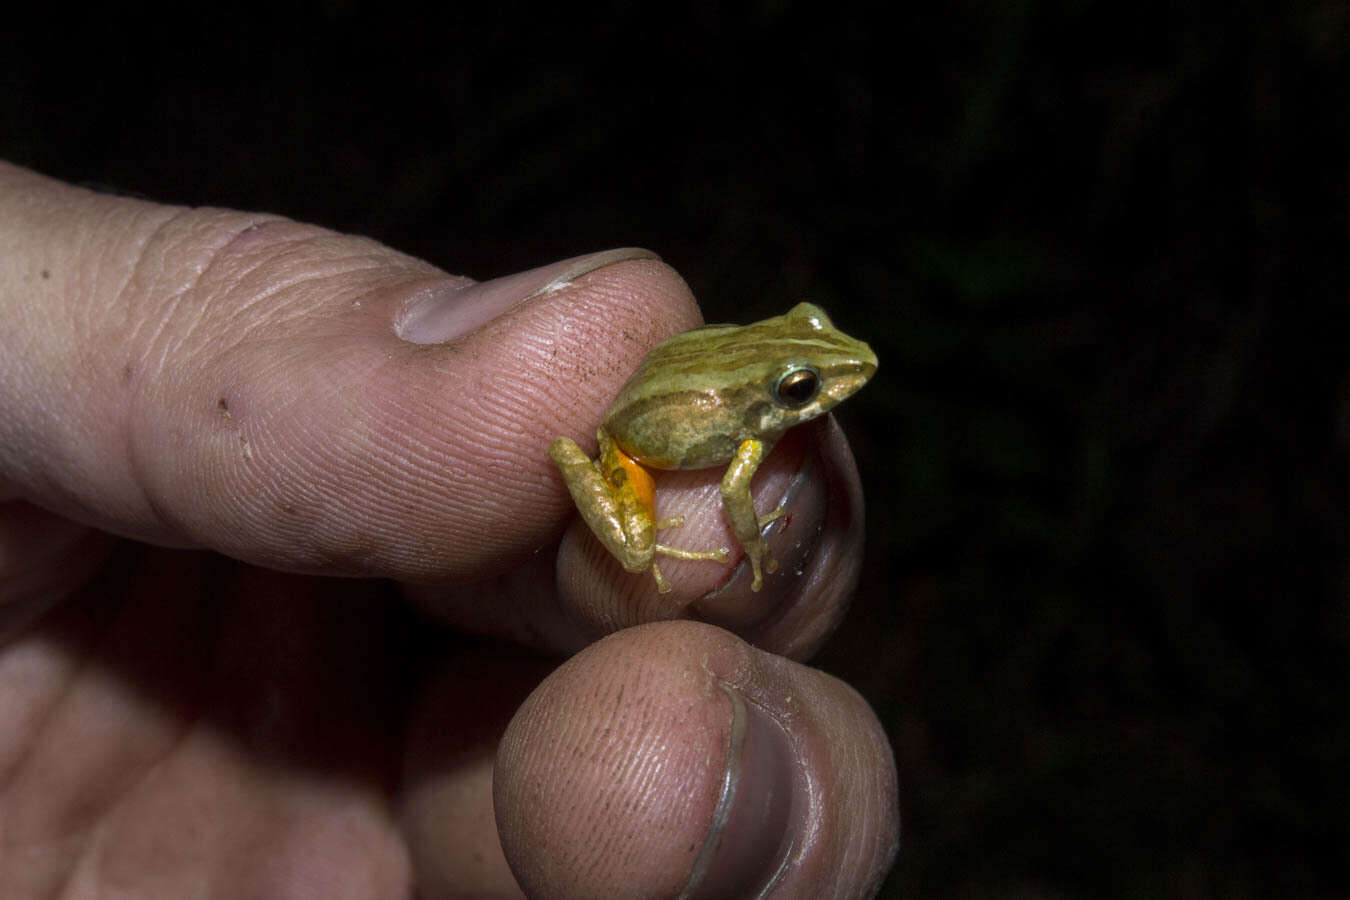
(717, 395)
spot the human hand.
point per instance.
(203, 413)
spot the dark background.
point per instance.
(1096, 246)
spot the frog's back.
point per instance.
(697, 395)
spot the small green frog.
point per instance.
(716, 395)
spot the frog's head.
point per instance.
(810, 365)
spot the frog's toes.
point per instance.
(662, 586)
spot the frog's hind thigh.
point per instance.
(598, 503)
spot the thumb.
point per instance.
(290, 396)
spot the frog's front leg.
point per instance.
(745, 524)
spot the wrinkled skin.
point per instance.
(205, 415)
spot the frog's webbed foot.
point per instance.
(662, 586)
(721, 554)
(757, 550)
(761, 561)
(772, 517)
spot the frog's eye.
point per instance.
(796, 387)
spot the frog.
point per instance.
(718, 395)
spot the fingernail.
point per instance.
(446, 311)
(751, 839)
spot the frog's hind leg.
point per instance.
(721, 554)
(607, 511)
(662, 586)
